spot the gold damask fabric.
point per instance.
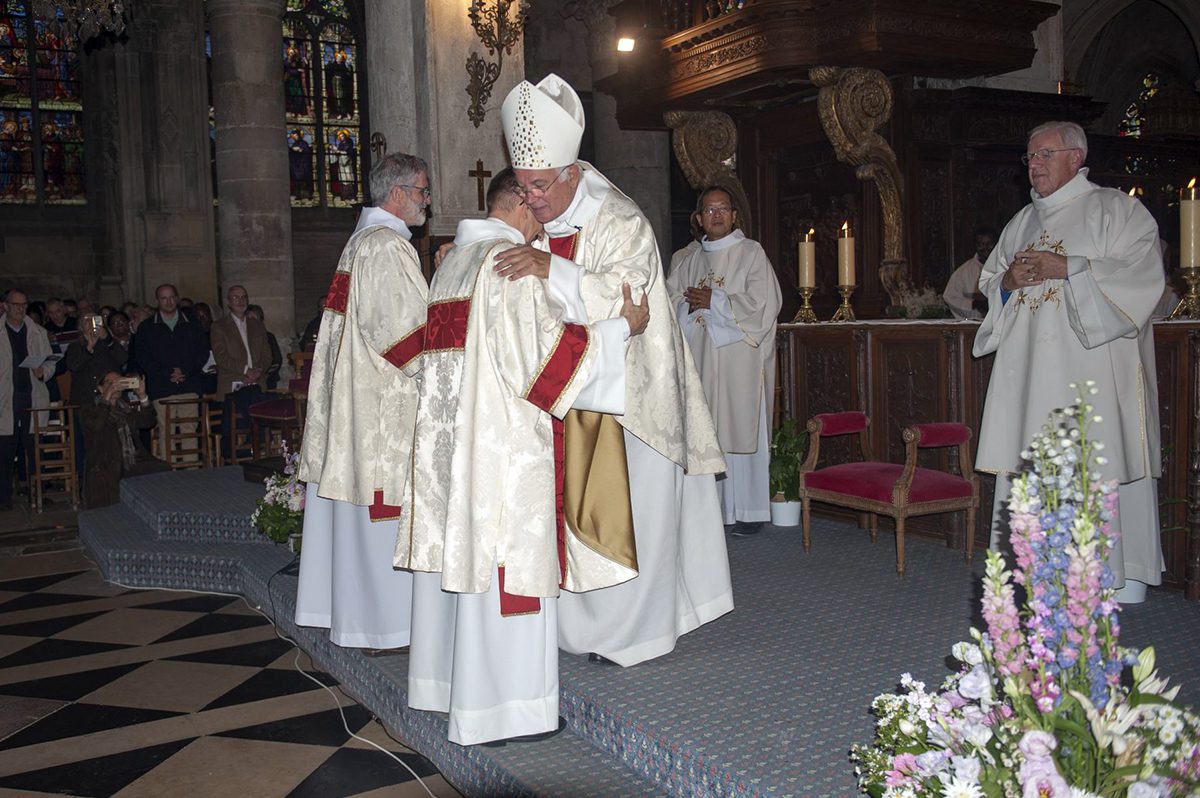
(596, 502)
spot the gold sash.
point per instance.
(596, 485)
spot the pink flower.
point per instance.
(1038, 774)
(903, 768)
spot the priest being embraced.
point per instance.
(1071, 286)
(481, 528)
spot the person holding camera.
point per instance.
(90, 357)
(113, 448)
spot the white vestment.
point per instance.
(671, 445)
(358, 438)
(733, 343)
(498, 366)
(1094, 325)
(961, 289)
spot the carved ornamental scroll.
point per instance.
(704, 142)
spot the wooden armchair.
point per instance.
(892, 489)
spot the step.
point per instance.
(211, 504)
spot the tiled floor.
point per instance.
(112, 692)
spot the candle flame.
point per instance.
(846, 224)
(1192, 184)
(1133, 191)
(812, 231)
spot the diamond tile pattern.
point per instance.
(229, 719)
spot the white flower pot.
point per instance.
(785, 513)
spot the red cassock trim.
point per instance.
(378, 511)
(564, 246)
(339, 292)
(560, 526)
(446, 325)
(516, 605)
(559, 368)
(401, 353)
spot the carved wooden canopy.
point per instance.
(753, 54)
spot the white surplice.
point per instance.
(358, 438)
(498, 365)
(961, 287)
(1094, 325)
(733, 344)
(671, 445)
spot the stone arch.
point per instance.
(1085, 20)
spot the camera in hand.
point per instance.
(127, 384)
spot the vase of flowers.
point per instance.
(1038, 708)
(280, 512)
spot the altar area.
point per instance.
(903, 372)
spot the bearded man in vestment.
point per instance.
(598, 241)
(727, 299)
(1071, 286)
(499, 373)
(362, 403)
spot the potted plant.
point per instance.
(280, 513)
(788, 448)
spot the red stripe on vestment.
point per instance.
(559, 368)
(401, 353)
(339, 292)
(446, 325)
(516, 605)
(564, 246)
(378, 511)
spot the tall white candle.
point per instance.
(846, 255)
(806, 272)
(1189, 226)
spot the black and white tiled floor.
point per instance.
(112, 692)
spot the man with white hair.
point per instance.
(598, 241)
(362, 404)
(1071, 286)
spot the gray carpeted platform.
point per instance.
(765, 701)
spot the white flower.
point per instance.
(899, 792)
(967, 768)
(961, 788)
(977, 735)
(967, 653)
(1143, 789)
(1078, 793)
(908, 728)
(976, 685)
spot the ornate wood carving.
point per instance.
(1192, 558)
(853, 103)
(704, 141)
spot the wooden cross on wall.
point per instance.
(479, 173)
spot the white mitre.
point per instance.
(543, 124)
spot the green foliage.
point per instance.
(789, 446)
(277, 521)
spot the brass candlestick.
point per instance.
(1189, 306)
(844, 312)
(805, 314)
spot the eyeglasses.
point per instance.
(717, 210)
(1043, 155)
(541, 189)
(425, 190)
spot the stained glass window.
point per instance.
(41, 111)
(321, 104)
(1133, 121)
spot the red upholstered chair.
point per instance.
(892, 489)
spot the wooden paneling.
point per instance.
(900, 373)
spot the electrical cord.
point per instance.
(296, 660)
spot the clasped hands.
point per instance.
(698, 298)
(1032, 267)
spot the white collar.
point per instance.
(374, 217)
(725, 242)
(589, 194)
(1066, 192)
(473, 230)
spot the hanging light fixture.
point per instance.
(83, 19)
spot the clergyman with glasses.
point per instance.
(1071, 287)
(362, 405)
(727, 299)
(598, 240)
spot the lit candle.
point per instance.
(846, 255)
(807, 270)
(1189, 226)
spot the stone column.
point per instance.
(254, 216)
(395, 47)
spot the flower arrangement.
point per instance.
(1038, 708)
(280, 513)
